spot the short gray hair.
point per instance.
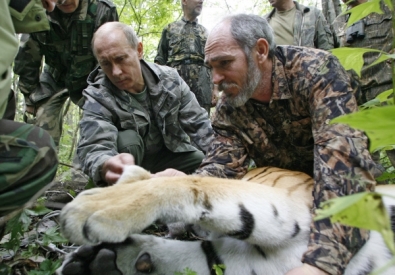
(246, 29)
(127, 30)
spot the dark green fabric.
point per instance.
(130, 142)
(28, 163)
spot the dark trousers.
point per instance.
(130, 141)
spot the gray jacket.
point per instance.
(108, 110)
(310, 28)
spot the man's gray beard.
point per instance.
(253, 79)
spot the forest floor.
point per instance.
(33, 244)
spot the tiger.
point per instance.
(259, 224)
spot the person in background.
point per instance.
(182, 47)
(66, 47)
(298, 25)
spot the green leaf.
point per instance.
(53, 235)
(379, 100)
(38, 210)
(47, 267)
(363, 210)
(352, 58)
(186, 271)
(378, 124)
(90, 184)
(389, 4)
(219, 268)
(362, 10)
(386, 176)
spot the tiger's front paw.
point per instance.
(109, 214)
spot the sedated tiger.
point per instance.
(257, 225)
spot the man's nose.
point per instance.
(116, 70)
(217, 77)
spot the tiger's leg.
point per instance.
(242, 210)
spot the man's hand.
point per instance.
(30, 109)
(112, 169)
(168, 173)
(306, 269)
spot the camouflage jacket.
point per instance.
(21, 17)
(67, 50)
(310, 87)
(310, 28)
(182, 40)
(379, 35)
(108, 110)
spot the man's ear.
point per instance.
(140, 50)
(262, 48)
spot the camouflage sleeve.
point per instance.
(194, 119)
(106, 12)
(163, 46)
(28, 164)
(98, 137)
(227, 156)
(27, 65)
(342, 166)
(324, 36)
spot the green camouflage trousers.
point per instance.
(50, 115)
(28, 163)
(198, 78)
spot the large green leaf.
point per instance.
(362, 10)
(378, 123)
(352, 58)
(381, 99)
(363, 210)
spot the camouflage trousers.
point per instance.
(50, 115)
(28, 163)
(198, 78)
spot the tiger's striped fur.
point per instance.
(258, 225)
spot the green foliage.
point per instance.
(219, 269)
(352, 58)
(378, 123)
(366, 210)
(16, 227)
(4, 269)
(360, 11)
(148, 18)
(380, 100)
(186, 271)
(363, 210)
(53, 235)
(47, 267)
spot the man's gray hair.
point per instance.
(127, 30)
(246, 29)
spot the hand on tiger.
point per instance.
(113, 167)
(168, 173)
(306, 269)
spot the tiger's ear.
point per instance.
(133, 173)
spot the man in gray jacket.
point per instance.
(298, 25)
(137, 112)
